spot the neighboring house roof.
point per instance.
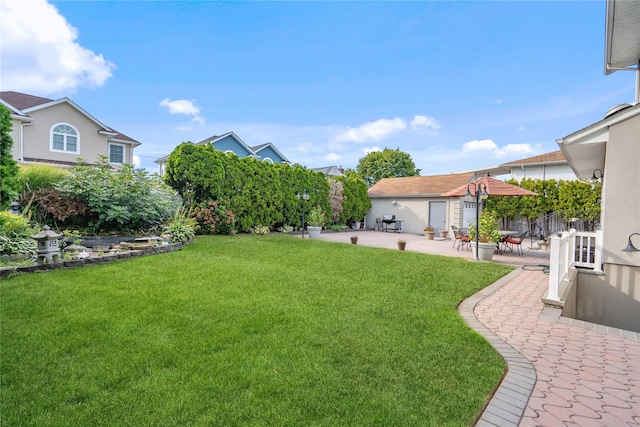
(330, 170)
(258, 148)
(555, 157)
(252, 151)
(22, 104)
(585, 149)
(419, 186)
(548, 158)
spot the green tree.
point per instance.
(579, 200)
(195, 172)
(387, 163)
(356, 201)
(9, 183)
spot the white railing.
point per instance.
(572, 249)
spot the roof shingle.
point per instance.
(433, 185)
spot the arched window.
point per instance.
(65, 138)
(267, 159)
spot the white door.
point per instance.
(438, 215)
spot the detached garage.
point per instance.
(416, 202)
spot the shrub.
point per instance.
(181, 228)
(35, 177)
(285, 229)
(316, 217)
(47, 205)
(11, 223)
(126, 199)
(259, 229)
(9, 184)
(14, 235)
(214, 218)
(489, 228)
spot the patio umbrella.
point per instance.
(493, 186)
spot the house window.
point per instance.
(64, 137)
(116, 153)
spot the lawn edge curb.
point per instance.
(8, 271)
(507, 406)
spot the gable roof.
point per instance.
(493, 187)
(23, 101)
(547, 158)
(22, 104)
(215, 138)
(419, 186)
(585, 149)
(257, 148)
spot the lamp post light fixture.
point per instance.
(479, 192)
(630, 247)
(305, 197)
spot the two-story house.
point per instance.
(58, 132)
(231, 143)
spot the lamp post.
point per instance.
(305, 197)
(480, 192)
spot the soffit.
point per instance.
(622, 39)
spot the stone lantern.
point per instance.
(48, 250)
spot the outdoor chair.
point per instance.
(464, 238)
(516, 241)
(456, 235)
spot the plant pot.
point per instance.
(444, 233)
(314, 232)
(402, 245)
(430, 235)
(485, 250)
(354, 240)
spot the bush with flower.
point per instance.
(429, 229)
(214, 218)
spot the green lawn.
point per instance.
(247, 330)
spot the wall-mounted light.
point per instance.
(630, 247)
(597, 175)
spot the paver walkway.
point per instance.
(585, 377)
(561, 372)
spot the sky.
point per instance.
(455, 84)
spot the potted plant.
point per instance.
(315, 221)
(402, 244)
(488, 236)
(354, 239)
(430, 232)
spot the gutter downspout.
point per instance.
(22, 125)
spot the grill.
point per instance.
(391, 219)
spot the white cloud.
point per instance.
(372, 131)
(180, 106)
(491, 149)
(514, 149)
(183, 106)
(498, 101)
(424, 122)
(333, 157)
(136, 161)
(368, 150)
(479, 145)
(39, 54)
